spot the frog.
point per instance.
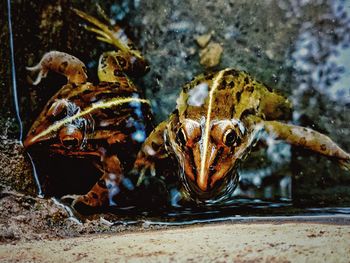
(219, 117)
(98, 122)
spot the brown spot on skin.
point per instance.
(209, 76)
(231, 84)
(250, 88)
(238, 96)
(63, 67)
(101, 183)
(117, 73)
(323, 147)
(232, 110)
(185, 88)
(223, 84)
(114, 85)
(155, 146)
(302, 141)
(101, 84)
(231, 72)
(268, 88)
(247, 112)
(121, 61)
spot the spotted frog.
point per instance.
(101, 122)
(218, 118)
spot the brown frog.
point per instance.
(219, 117)
(101, 121)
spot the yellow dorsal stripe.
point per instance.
(215, 84)
(100, 105)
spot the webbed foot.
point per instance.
(141, 171)
(345, 164)
(128, 58)
(83, 204)
(87, 204)
(106, 33)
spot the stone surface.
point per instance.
(203, 40)
(210, 56)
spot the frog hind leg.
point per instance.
(128, 57)
(309, 139)
(103, 192)
(62, 63)
(40, 71)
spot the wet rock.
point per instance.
(15, 167)
(203, 40)
(210, 56)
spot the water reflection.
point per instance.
(242, 210)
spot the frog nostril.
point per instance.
(102, 183)
(94, 195)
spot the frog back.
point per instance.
(107, 113)
(117, 110)
(231, 94)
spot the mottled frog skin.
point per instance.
(84, 120)
(219, 117)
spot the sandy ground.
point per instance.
(289, 242)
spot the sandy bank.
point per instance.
(290, 242)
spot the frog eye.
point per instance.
(181, 136)
(70, 137)
(58, 110)
(230, 138)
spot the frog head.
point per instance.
(209, 139)
(58, 129)
(208, 152)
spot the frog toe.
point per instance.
(68, 199)
(88, 204)
(144, 172)
(345, 164)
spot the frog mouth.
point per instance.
(221, 188)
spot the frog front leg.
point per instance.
(309, 139)
(152, 152)
(62, 63)
(107, 187)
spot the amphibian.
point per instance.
(219, 116)
(102, 122)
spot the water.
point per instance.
(301, 48)
(241, 210)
